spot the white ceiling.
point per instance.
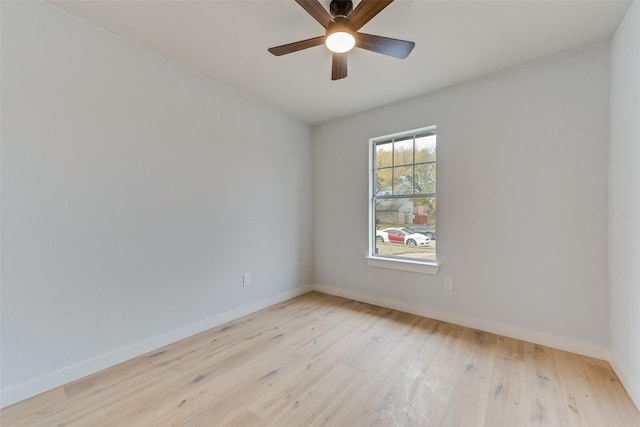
(455, 41)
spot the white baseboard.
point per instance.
(549, 340)
(629, 383)
(63, 376)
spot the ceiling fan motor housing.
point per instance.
(341, 8)
(340, 24)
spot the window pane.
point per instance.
(417, 216)
(384, 153)
(403, 180)
(403, 201)
(426, 178)
(403, 151)
(426, 148)
(382, 184)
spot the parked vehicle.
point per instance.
(427, 230)
(401, 235)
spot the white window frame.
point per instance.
(394, 263)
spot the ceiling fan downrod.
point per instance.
(341, 8)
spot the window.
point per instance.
(403, 197)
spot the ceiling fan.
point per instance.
(342, 26)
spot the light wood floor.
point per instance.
(322, 360)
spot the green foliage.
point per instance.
(396, 173)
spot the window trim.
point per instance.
(423, 267)
(395, 263)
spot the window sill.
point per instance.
(404, 265)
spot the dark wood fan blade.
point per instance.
(384, 45)
(315, 9)
(365, 11)
(339, 66)
(296, 46)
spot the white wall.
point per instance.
(522, 202)
(624, 202)
(135, 193)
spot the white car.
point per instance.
(401, 235)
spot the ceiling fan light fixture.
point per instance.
(340, 42)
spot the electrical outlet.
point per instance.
(448, 283)
(246, 279)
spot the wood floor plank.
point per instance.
(422, 382)
(507, 404)
(543, 388)
(320, 360)
(316, 367)
(474, 381)
(246, 419)
(307, 406)
(363, 397)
